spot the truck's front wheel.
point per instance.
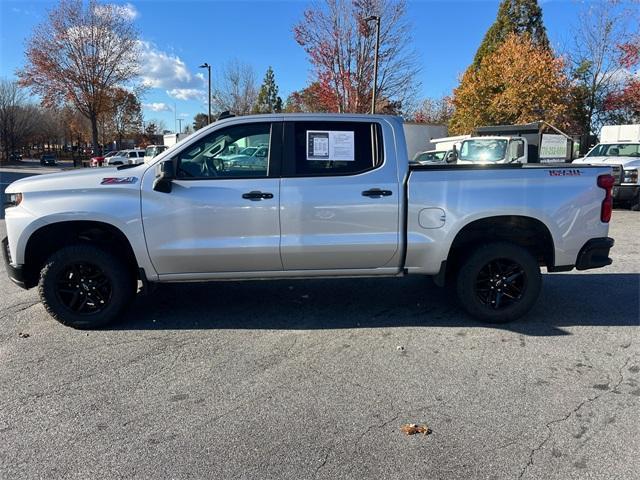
(499, 282)
(84, 286)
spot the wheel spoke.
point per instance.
(83, 303)
(74, 300)
(498, 300)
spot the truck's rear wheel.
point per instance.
(84, 286)
(499, 282)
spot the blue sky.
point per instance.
(180, 35)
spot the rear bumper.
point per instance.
(16, 273)
(595, 254)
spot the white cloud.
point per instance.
(157, 107)
(164, 70)
(186, 93)
(126, 10)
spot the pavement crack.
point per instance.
(324, 462)
(371, 427)
(589, 400)
(19, 307)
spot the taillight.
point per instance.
(606, 182)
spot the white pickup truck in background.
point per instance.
(334, 197)
(619, 148)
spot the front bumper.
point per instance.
(16, 273)
(595, 254)
(625, 193)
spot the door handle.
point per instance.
(257, 195)
(377, 193)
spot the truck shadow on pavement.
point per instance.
(609, 299)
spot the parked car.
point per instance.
(48, 160)
(97, 161)
(104, 160)
(126, 157)
(337, 197)
(430, 157)
(619, 148)
(152, 151)
(15, 156)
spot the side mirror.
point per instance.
(452, 157)
(164, 176)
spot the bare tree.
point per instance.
(79, 54)
(596, 61)
(236, 89)
(435, 111)
(341, 47)
(17, 117)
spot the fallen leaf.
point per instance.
(413, 428)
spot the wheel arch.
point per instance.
(525, 231)
(51, 237)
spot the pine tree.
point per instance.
(268, 99)
(514, 16)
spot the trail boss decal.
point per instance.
(118, 180)
(568, 172)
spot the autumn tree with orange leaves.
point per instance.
(519, 82)
(79, 55)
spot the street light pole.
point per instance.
(375, 60)
(208, 67)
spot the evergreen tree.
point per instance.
(268, 99)
(514, 16)
(200, 120)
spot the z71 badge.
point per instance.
(118, 180)
(568, 172)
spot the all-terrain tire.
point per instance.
(499, 282)
(89, 274)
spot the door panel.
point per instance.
(326, 221)
(207, 226)
(222, 215)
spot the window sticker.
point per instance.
(330, 145)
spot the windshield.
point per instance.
(615, 150)
(430, 156)
(490, 150)
(248, 151)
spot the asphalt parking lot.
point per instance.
(313, 379)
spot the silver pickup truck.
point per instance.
(333, 196)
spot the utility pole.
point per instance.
(375, 60)
(208, 67)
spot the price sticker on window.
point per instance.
(331, 145)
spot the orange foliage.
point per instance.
(517, 83)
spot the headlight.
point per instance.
(12, 199)
(630, 176)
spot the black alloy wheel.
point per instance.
(498, 282)
(84, 288)
(501, 283)
(86, 285)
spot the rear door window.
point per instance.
(332, 148)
